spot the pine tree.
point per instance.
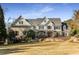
(2, 25)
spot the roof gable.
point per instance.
(45, 20)
(20, 19)
(49, 23)
(56, 21)
(36, 22)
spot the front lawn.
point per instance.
(42, 48)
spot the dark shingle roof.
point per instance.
(20, 17)
(16, 20)
(56, 21)
(37, 21)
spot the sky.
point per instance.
(39, 10)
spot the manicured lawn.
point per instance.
(41, 48)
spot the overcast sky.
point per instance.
(38, 10)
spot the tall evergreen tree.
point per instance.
(2, 25)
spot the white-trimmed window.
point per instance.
(20, 22)
(41, 27)
(34, 27)
(57, 27)
(49, 27)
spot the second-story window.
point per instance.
(34, 27)
(49, 27)
(57, 27)
(20, 22)
(41, 27)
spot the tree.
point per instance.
(73, 23)
(30, 35)
(76, 14)
(3, 33)
(73, 32)
(12, 36)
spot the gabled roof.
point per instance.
(49, 21)
(56, 21)
(37, 21)
(16, 20)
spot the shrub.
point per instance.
(41, 34)
(55, 34)
(31, 34)
(12, 36)
(24, 32)
(73, 32)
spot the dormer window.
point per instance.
(20, 22)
